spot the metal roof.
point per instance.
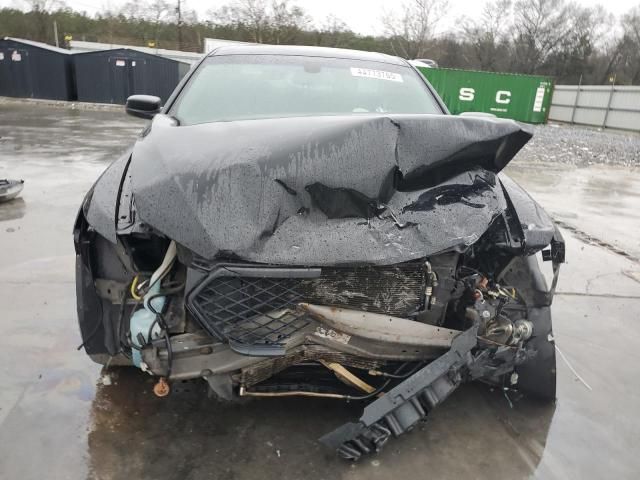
(78, 46)
(213, 43)
(44, 46)
(122, 51)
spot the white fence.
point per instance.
(599, 106)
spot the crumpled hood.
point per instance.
(324, 190)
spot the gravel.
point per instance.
(582, 146)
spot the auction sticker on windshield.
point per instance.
(379, 74)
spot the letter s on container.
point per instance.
(467, 94)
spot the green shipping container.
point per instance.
(525, 98)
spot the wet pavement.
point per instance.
(57, 421)
(600, 200)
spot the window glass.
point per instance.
(237, 87)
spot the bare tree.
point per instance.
(286, 20)
(275, 22)
(331, 31)
(540, 27)
(41, 10)
(189, 16)
(252, 14)
(488, 35)
(631, 24)
(157, 13)
(630, 44)
(132, 10)
(44, 5)
(413, 26)
(557, 37)
(110, 18)
(334, 24)
(589, 29)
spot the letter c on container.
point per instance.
(503, 96)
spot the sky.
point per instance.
(362, 16)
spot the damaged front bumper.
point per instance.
(256, 322)
(492, 348)
(401, 408)
(404, 335)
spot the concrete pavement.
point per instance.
(58, 421)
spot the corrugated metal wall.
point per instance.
(29, 71)
(598, 106)
(110, 76)
(521, 97)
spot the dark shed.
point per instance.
(35, 70)
(110, 76)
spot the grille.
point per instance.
(258, 311)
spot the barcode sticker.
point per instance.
(377, 74)
(120, 63)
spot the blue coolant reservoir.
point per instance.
(144, 325)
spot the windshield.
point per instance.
(241, 87)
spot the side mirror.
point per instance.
(143, 106)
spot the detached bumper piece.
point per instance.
(406, 404)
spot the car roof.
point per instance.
(304, 51)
